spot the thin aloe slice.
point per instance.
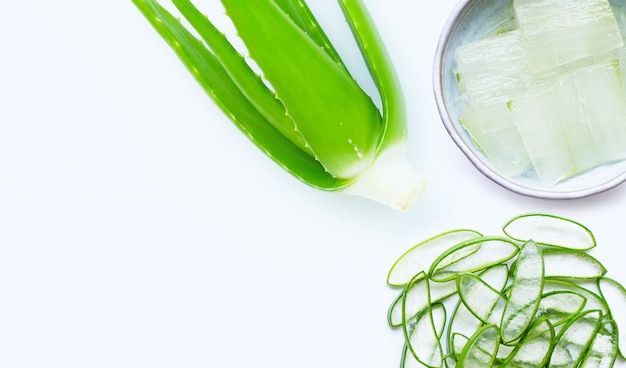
(481, 349)
(408, 360)
(565, 263)
(472, 255)
(615, 296)
(603, 350)
(550, 230)
(420, 257)
(462, 322)
(574, 339)
(525, 293)
(593, 300)
(559, 306)
(423, 333)
(534, 348)
(478, 297)
(417, 297)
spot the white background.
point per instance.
(140, 228)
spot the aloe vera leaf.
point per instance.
(300, 14)
(214, 79)
(382, 70)
(318, 94)
(250, 84)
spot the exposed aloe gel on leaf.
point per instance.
(315, 121)
(550, 230)
(491, 72)
(574, 339)
(539, 318)
(615, 296)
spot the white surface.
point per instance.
(139, 228)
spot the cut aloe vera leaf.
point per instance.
(603, 350)
(550, 230)
(462, 322)
(472, 255)
(565, 263)
(559, 306)
(478, 297)
(418, 296)
(534, 348)
(408, 360)
(574, 339)
(459, 341)
(615, 296)
(481, 349)
(420, 257)
(525, 293)
(558, 36)
(423, 333)
(496, 276)
(593, 300)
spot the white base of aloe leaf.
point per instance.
(391, 180)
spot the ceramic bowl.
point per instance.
(470, 21)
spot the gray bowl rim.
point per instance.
(469, 152)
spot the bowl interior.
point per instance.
(473, 20)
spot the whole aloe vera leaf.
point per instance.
(340, 122)
(300, 14)
(214, 79)
(242, 75)
(382, 70)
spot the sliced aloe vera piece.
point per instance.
(525, 293)
(534, 348)
(416, 298)
(603, 350)
(594, 301)
(408, 360)
(462, 322)
(615, 296)
(559, 306)
(550, 230)
(423, 333)
(574, 339)
(478, 297)
(472, 255)
(565, 263)
(420, 257)
(481, 349)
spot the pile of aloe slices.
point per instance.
(531, 298)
